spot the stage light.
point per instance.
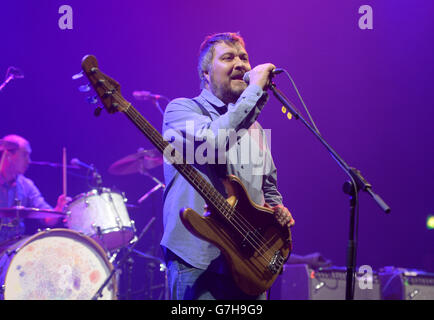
(430, 222)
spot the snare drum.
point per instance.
(103, 216)
(57, 264)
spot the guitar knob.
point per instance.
(77, 76)
(84, 88)
(92, 100)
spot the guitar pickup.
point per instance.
(248, 241)
(276, 262)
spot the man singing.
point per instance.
(196, 268)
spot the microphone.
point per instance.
(15, 72)
(78, 163)
(146, 95)
(96, 177)
(246, 77)
(11, 73)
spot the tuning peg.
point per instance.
(77, 76)
(97, 111)
(108, 93)
(84, 88)
(92, 100)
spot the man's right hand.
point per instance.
(260, 75)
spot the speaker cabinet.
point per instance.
(299, 282)
(402, 284)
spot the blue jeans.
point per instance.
(189, 283)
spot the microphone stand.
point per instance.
(124, 259)
(352, 187)
(6, 82)
(157, 104)
(11, 76)
(157, 186)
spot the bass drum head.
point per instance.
(58, 264)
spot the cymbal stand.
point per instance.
(157, 186)
(125, 258)
(163, 267)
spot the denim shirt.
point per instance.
(21, 192)
(186, 120)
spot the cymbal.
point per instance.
(7, 145)
(29, 213)
(137, 162)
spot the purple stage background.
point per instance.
(370, 93)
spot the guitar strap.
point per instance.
(220, 169)
(202, 108)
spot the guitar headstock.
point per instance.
(106, 88)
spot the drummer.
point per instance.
(16, 189)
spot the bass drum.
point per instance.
(57, 264)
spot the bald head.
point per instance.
(19, 141)
(16, 159)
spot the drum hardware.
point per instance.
(124, 259)
(95, 177)
(157, 186)
(163, 268)
(130, 264)
(99, 235)
(11, 252)
(20, 212)
(124, 196)
(112, 255)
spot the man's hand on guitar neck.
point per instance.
(282, 214)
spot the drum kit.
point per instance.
(79, 261)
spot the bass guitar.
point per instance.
(255, 245)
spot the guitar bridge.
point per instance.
(276, 262)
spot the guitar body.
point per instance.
(255, 259)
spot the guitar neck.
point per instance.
(202, 186)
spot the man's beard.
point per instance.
(225, 94)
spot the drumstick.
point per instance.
(64, 171)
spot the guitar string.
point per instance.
(142, 126)
(240, 223)
(267, 259)
(233, 215)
